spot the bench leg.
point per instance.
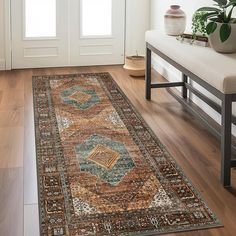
(226, 140)
(148, 73)
(184, 90)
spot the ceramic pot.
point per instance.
(175, 21)
(135, 65)
(229, 46)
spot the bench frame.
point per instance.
(225, 110)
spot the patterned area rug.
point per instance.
(101, 170)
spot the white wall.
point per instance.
(137, 22)
(2, 36)
(158, 9)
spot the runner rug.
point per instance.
(101, 170)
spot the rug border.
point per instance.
(36, 151)
(217, 223)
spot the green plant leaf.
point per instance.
(222, 17)
(209, 9)
(230, 15)
(231, 3)
(225, 31)
(211, 27)
(221, 2)
(208, 15)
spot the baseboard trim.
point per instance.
(168, 73)
(2, 64)
(162, 69)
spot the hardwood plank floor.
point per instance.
(11, 201)
(192, 146)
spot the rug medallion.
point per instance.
(101, 170)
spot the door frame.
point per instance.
(8, 43)
(8, 33)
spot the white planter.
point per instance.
(229, 46)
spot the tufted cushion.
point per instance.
(217, 69)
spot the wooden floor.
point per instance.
(193, 147)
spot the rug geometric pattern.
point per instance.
(101, 170)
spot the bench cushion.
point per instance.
(219, 70)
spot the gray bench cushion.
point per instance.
(219, 70)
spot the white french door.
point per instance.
(98, 38)
(51, 33)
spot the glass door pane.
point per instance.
(96, 18)
(40, 18)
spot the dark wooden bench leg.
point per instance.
(226, 140)
(184, 90)
(148, 73)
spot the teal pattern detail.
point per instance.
(123, 165)
(94, 99)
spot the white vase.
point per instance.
(175, 21)
(229, 46)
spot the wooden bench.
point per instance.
(213, 71)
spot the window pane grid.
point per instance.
(40, 18)
(96, 16)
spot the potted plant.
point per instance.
(220, 25)
(135, 65)
(198, 24)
